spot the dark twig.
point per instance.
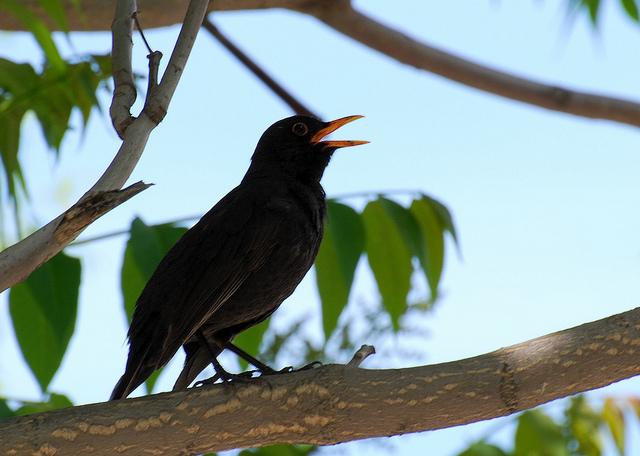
(135, 19)
(280, 91)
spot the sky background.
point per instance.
(545, 204)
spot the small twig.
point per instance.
(153, 86)
(100, 237)
(154, 61)
(280, 91)
(362, 354)
(146, 43)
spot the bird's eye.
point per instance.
(300, 129)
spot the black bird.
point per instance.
(234, 268)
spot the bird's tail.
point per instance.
(130, 380)
(196, 361)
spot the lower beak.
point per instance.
(333, 126)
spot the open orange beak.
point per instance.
(333, 126)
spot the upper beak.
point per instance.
(333, 126)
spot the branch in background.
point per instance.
(280, 91)
(19, 260)
(339, 15)
(96, 15)
(343, 18)
(336, 403)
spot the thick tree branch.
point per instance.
(19, 260)
(339, 15)
(343, 18)
(337, 403)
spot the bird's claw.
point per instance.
(207, 381)
(311, 365)
(290, 369)
(228, 377)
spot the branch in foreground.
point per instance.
(124, 92)
(336, 403)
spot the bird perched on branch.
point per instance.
(234, 268)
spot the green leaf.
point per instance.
(17, 78)
(341, 249)
(445, 217)
(538, 434)
(53, 105)
(483, 449)
(5, 410)
(56, 401)
(613, 416)
(43, 310)
(280, 450)
(147, 245)
(39, 30)
(584, 426)
(16, 81)
(389, 257)
(55, 10)
(631, 7)
(431, 228)
(593, 6)
(10, 120)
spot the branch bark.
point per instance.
(338, 403)
(124, 92)
(19, 260)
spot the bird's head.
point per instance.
(294, 147)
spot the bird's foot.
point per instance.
(244, 377)
(311, 365)
(289, 369)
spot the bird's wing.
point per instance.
(203, 269)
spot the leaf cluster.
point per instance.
(593, 8)
(52, 91)
(582, 431)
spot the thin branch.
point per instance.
(124, 93)
(340, 15)
(19, 260)
(276, 88)
(100, 237)
(158, 101)
(338, 403)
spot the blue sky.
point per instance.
(545, 204)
